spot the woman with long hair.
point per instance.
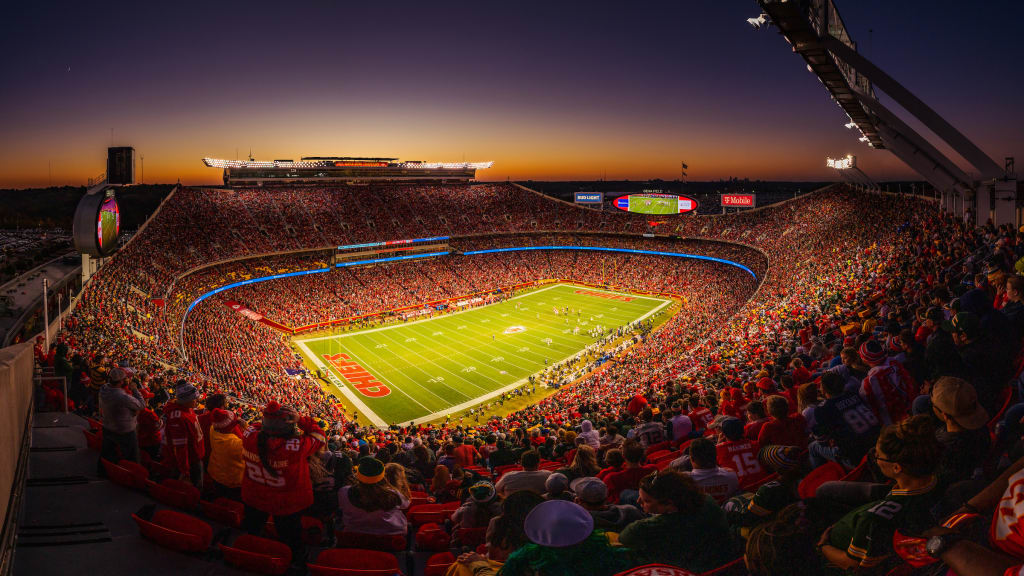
(372, 505)
(394, 474)
(584, 463)
(505, 533)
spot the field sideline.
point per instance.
(426, 369)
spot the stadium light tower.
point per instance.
(848, 170)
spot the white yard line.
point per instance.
(425, 319)
(377, 421)
(380, 359)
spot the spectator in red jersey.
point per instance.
(756, 418)
(782, 428)
(731, 402)
(636, 405)
(628, 479)
(465, 453)
(701, 416)
(888, 388)
(151, 426)
(738, 453)
(183, 438)
(801, 374)
(276, 481)
(614, 460)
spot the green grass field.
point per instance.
(646, 205)
(427, 369)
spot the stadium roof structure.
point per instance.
(817, 33)
(330, 161)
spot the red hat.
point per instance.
(872, 353)
(273, 411)
(222, 419)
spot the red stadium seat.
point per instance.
(432, 538)
(438, 564)
(223, 510)
(177, 493)
(127, 473)
(381, 542)
(256, 554)
(499, 470)
(93, 439)
(827, 472)
(653, 457)
(427, 513)
(471, 537)
(856, 474)
(353, 562)
(666, 445)
(176, 531)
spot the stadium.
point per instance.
(370, 366)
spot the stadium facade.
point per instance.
(318, 170)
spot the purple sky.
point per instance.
(548, 90)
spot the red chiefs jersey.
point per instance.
(1007, 532)
(150, 428)
(183, 438)
(741, 456)
(701, 418)
(287, 489)
(889, 390)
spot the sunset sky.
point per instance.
(547, 90)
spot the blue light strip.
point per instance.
(304, 273)
(251, 281)
(621, 250)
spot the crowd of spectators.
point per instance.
(879, 352)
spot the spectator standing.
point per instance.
(276, 481)
(183, 438)
(226, 465)
(120, 403)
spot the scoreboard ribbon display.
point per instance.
(655, 203)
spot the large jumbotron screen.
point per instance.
(108, 224)
(655, 203)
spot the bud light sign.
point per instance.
(589, 197)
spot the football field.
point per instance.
(647, 205)
(426, 369)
